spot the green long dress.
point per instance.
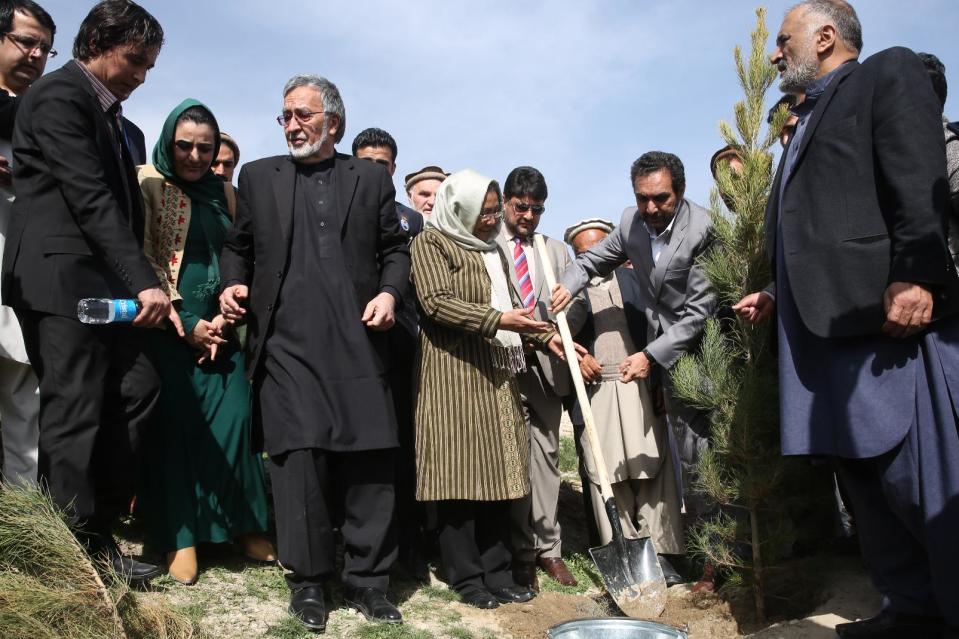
(201, 482)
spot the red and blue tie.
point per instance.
(522, 274)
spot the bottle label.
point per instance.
(124, 310)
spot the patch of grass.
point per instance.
(440, 594)
(289, 628)
(582, 568)
(459, 632)
(265, 583)
(390, 631)
(568, 460)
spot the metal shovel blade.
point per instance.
(633, 576)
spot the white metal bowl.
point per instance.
(613, 629)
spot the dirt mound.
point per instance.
(530, 620)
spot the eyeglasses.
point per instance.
(29, 44)
(523, 207)
(187, 146)
(495, 214)
(300, 115)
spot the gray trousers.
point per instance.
(20, 416)
(535, 527)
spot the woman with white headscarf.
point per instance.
(472, 449)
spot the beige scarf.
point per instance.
(459, 202)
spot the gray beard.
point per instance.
(307, 151)
(796, 79)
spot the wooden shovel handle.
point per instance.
(573, 362)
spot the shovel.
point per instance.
(629, 567)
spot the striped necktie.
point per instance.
(522, 274)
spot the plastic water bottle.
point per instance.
(101, 311)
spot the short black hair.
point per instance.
(654, 161)
(374, 137)
(114, 23)
(9, 7)
(788, 99)
(937, 75)
(525, 181)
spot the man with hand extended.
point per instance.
(77, 231)
(865, 296)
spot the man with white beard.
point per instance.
(315, 263)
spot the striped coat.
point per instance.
(471, 440)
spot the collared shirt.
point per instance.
(528, 249)
(658, 241)
(106, 98)
(803, 110)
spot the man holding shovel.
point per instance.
(663, 236)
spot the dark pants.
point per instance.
(474, 543)
(309, 485)
(410, 514)
(906, 501)
(97, 391)
(690, 430)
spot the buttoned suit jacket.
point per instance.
(553, 373)
(867, 199)
(257, 247)
(676, 295)
(76, 228)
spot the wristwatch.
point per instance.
(652, 360)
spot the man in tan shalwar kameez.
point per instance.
(634, 438)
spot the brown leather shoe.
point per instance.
(524, 574)
(556, 568)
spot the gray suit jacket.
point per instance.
(677, 296)
(554, 373)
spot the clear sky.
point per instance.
(577, 89)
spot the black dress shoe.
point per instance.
(308, 607)
(512, 594)
(372, 604)
(892, 625)
(673, 578)
(132, 571)
(479, 598)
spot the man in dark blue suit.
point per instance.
(865, 293)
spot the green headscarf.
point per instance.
(207, 197)
(208, 189)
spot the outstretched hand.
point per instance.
(755, 308)
(518, 320)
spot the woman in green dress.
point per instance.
(201, 483)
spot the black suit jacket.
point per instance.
(413, 220)
(76, 229)
(256, 249)
(8, 114)
(867, 200)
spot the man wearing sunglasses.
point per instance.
(26, 35)
(544, 384)
(663, 236)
